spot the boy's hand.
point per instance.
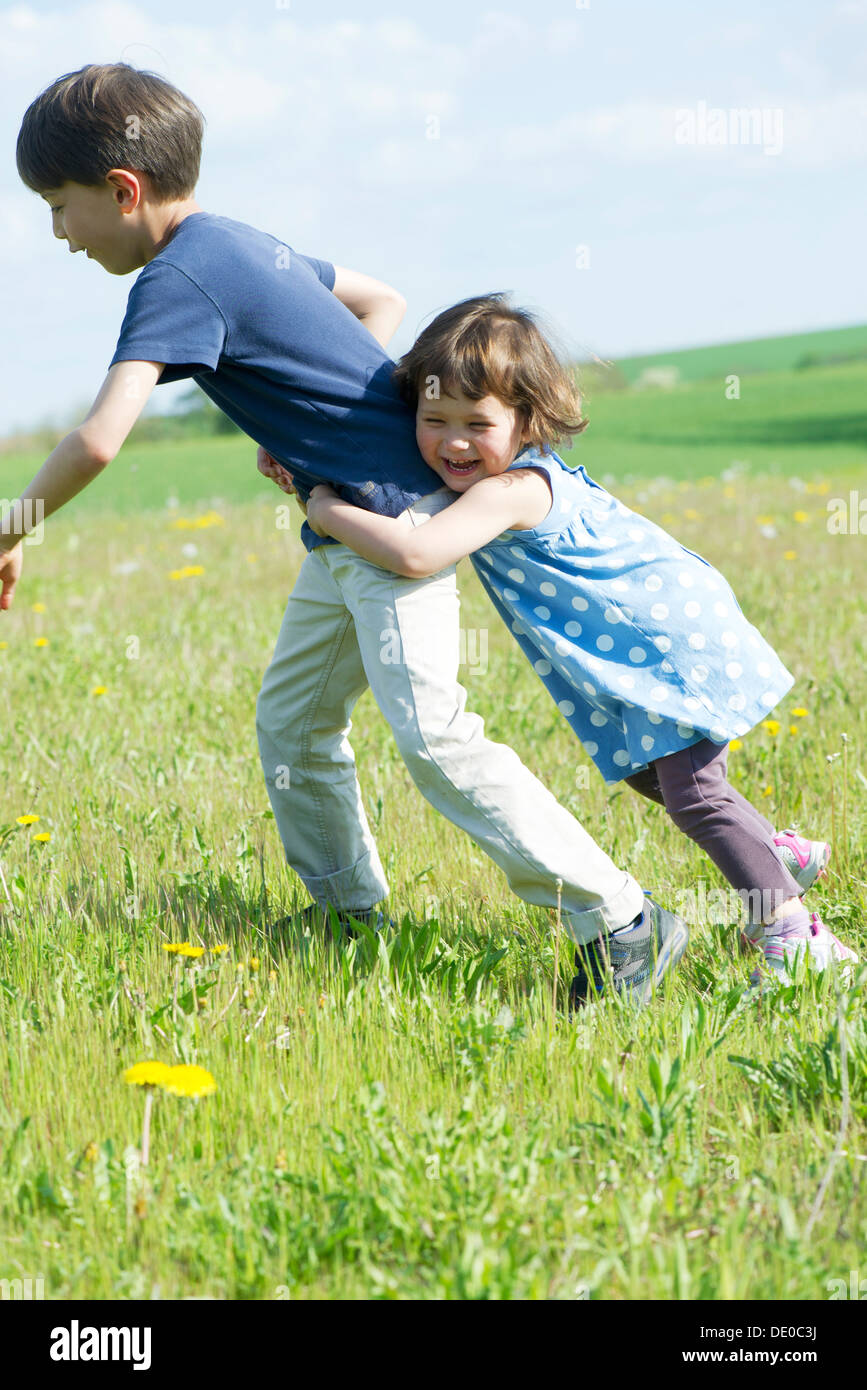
(317, 508)
(10, 572)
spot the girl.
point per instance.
(641, 642)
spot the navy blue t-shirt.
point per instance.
(256, 325)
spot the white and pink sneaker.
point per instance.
(806, 860)
(821, 947)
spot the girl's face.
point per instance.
(464, 440)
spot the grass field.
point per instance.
(413, 1117)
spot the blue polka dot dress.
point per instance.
(641, 642)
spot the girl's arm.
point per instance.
(515, 499)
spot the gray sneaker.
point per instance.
(637, 957)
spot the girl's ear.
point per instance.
(525, 428)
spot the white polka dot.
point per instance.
(517, 576)
(549, 590)
(620, 586)
(699, 674)
(635, 533)
(518, 551)
(659, 692)
(595, 664)
(591, 689)
(659, 611)
(734, 669)
(662, 644)
(591, 747)
(685, 730)
(684, 579)
(486, 556)
(647, 557)
(621, 757)
(626, 682)
(718, 734)
(737, 702)
(741, 728)
(692, 609)
(627, 613)
(654, 718)
(697, 641)
(763, 669)
(653, 582)
(597, 719)
(637, 654)
(721, 610)
(691, 702)
(543, 668)
(728, 639)
(542, 612)
(516, 627)
(511, 595)
(647, 742)
(667, 667)
(566, 707)
(562, 648)
(580, 603)
(573, 629)
(611, 615)
(770, 698)
(605, 643)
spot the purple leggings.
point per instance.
(693, 787)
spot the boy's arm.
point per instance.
(77, 460)
(379, 307)
(520, 498)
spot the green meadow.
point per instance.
(415, 1115)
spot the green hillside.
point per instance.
(826, 347)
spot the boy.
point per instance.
(292, 349)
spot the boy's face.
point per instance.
(464, 440)
(98, 221)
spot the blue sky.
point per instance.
(556, 126)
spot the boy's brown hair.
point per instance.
(485, 347)
(111, 116)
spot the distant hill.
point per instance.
(825, 347)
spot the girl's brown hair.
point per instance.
(485, 347)
(111, 116)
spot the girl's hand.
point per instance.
(270, 468)
(10, 573)
(317, 508)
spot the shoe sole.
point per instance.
(815, 868)
(668, 957)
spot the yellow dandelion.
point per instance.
(217, 950)
(3, 646)
(280, 1160)
(240, 966)
(822, 488)
(187, 572)
(27, 820)
(772, 726)
(692, 515)
(91, 1153)
(99, 690)
(769, 791)
(147, 1074)
(730, 491)
(322, 1000)
(735, 744)
(189, 1081)
(44, 837)
(38, 608)
(667, 518)
(183, 948)
(790, 554)
(802, 516)
(41, 642)
(272, 974)
(800, 712)
(254, 963)
(252, 559)
(764, 521)
(793, 728)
